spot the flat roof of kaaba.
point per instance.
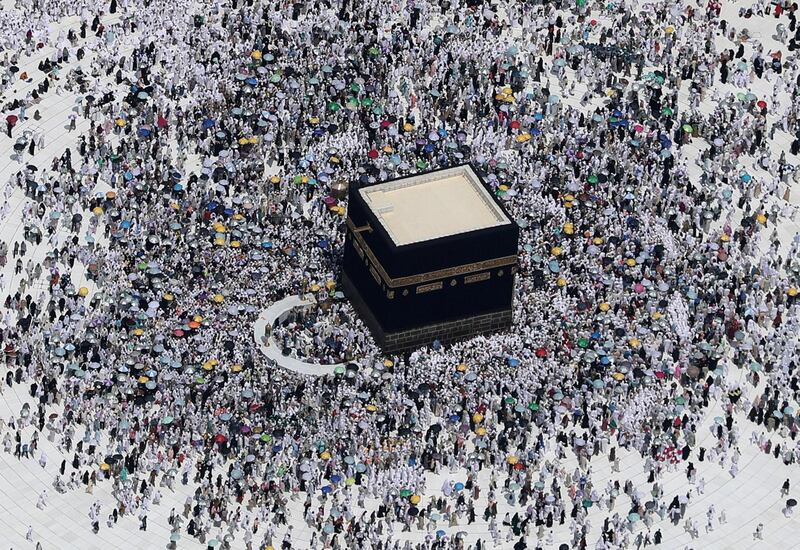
(433, 205)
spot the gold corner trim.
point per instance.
(429, 276)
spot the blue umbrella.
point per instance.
(143, 132)
(208, 123)
(251, 81)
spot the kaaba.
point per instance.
(429, 257)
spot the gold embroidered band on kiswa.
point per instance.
(429, 276)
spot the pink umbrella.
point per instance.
(639, 288)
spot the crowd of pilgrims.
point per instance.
(194, 192)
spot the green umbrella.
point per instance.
(366, 102)
(592, 179)
(275, 78)
(421, 164)
(583, 343)
(666, 111)
(687, 128)
(373, 51)
(533, 406)
(333, 106)
(405, 493)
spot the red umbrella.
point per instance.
(373, 154)
(515, 124)
(12, 119)
(541, 352)
(162, 122)
(761, 104)
(220, 438)
(178, 333)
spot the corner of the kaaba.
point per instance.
(446, 289)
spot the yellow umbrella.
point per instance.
(568, 204)
(408, 127)
(634, 342)
(169, 296)
(792, 292)
(175, 205)
(461, 367)
(512, 459)
(500, 97)
(330, 285)
(569, 229)
(143, 380)
(657, 315)
(243, 141)
(219, 241)
(219, 298)
(561, 281)
(669, 29)
(618, 376)
(197, 318)
(480, 430)
(315, 287)
(387, 149)
(477, 418)
(218, 227)
(503, 188)
(313, 120)
(508, 91)
(605, 306)
(236, 244)
(208, 365)
(762, 219)
(325, 455)
(105, 467)
(556, 251)
(340, 210)
(631, 262)
(598, 240)
(83, 291)
(569, 197)
(138, 332)
(275, 179)
(97, 211)
(121, 122)
(415, 499)
(725, 237)
(236, 368)
(256, 54)
(522, 138)
(371, 408)
(388, 363)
